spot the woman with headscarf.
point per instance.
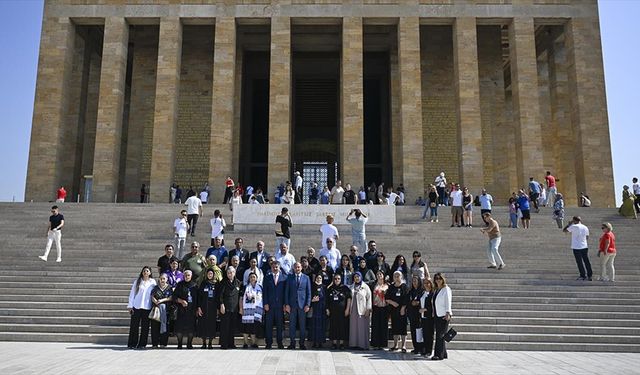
(207, 310)
(397, 296)
(380, 313)
(139, 307)
(161, 298)
(558, 211)
(368, 276)
(251, 311)
(427, 318)
(229, 300)
(338, 304)
(413, 313)
(185, 296)
(318, 306)
(360, 314)
(628, 198)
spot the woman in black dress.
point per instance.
(207, 310)
(338, 303)
(427, 321)
(161, 297)
(413, 311)
(325, 271)
(318, 307)
(397, 296)
(185, 296)
(382, 265)
(229, 299)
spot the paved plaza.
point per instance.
(62, 358)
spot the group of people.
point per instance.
(341, 300)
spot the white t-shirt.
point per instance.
(181, 227)
(391, 199)
(337, 192)
(579, 233)
(636, 189)
(217, 225)
(456, 197)
(333, 256)
(298, 182)
(328, 231)
(204, 196)
(485, 201)
(193, 205)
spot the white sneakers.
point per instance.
(59, 260)
(43, 258)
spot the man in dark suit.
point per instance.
(273, 295)
(242, 253)
(262, 257)
(297, 301)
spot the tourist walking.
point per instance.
(358, 221)
(54, 234)
(607, 253)
(579, 236)
(525, 208)
(442, 311)
(493, 232)
(217, 227)
(194, 211)
(534, 192)
(558, 210)
(139, 307)
(180, 230)
(552, 190)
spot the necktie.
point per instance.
(298, 280)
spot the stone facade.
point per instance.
(153, 94)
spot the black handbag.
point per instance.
(451, 333)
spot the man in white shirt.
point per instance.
(337, 193)
(181, 228)
(456, 206)
(636, 192)
(579, 236)
(204, 196)
(332, 253)
(392, 197)
(298, 188)
(286, 259)
(194, 210)
(328, 230)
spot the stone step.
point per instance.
(539, 337)
(65, 320)
(499, 313)
(64, 328)
(542, 346)
(69, 312)
(549, 329)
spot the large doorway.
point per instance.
(316, 105)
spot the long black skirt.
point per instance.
(186, 322)
(398, 322)
(379, 327)
(338, 327)
(207, 324)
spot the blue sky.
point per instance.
(20, 23)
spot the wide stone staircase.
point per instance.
(535, 303)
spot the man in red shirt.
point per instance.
(61, 194)
(551, 190)
(228, 191)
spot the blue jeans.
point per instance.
(514, 220)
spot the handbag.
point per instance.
(432, 204)
(451, 333)
(155, 314)
(419, 335)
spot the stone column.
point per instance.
(166, 109)
(106, 160)
(279, 103)
(351, 133)
(465, 62)
(222, 114)
(411, 107)
(56, 50)
(526, 106)
(594, 171)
